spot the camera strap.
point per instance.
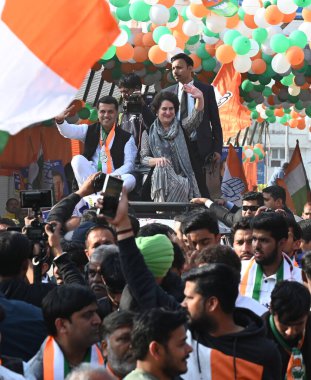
(105, 155)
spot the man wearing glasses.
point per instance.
(229, 213)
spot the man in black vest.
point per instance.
(207, 139)
(107, 147)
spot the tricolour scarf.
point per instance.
(105, 155)
(56, 367)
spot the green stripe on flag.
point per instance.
(300, 198)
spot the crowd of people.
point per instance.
(87, 297)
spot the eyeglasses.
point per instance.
(250, 208)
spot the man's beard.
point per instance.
(268, 260)
(121, 366)
(202, 322)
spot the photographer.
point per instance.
(134, 114)
(15, 252)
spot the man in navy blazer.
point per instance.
(208, 137)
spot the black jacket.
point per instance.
(63, 210)
(228, 217)
(19, 289)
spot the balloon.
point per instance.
(198, 10)
(242, 64)
(247, 85)
(298, 38)
(260, 35)
(121, 39)
(254, 115)
(287, 80)
(230, 36)
(306, 28)
(190, 28)
(123, 13)
(280, 64)
(225, 54)
(167, 43)
(159, 32)
(84, 113)
(248, 152)
(208, 64)
(201, 52)
(119, 3)
(287, 6)
(295, 55)
(279, 43)
(140, 54)
(259, 66)
(173, 14)
(139, 11)
(273, 15)
(159, 14)
(156, 55)
(148, 39)
(254, 48)
(306, 14)
(215, 23)
(302, 3)
(109, 53)
(241, 45)
(125, 52)
(260, 19)
(250, 7)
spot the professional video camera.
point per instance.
(133, 104)
(35, 200)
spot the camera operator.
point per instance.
(15, 253)
(134, 113)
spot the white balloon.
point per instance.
(242, 64)
(306, 28)
(287, 6)
(263, 114)
(248, 153)
(280, 64)
(171, 54)
(216, 23)
(167, 42)
(121, 39)
(243, 29)
(250, 6)
(196, 1)
(272, 30)
(266, 48)
(159, 14)
(210, 40)
(260, 18)
(190, 28)
(254, 48)
(151, 2)
(294, 90)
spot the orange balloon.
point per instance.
(270, 100)
(148, 40)
(225, 54)
(305, 86)
(140, 54)
(138, 66)
(249, 21)
(107, 75)
(294, 114)
(125, 52)
(126, 67)
(198, 10)
(233, 21)
(301, 124)
(293, 123)
(167, 3)
(306, 14)
(196, 61)
(289, 18)
(279, 112)
(299, 66)
(273, 15)
(295, 55)
(156, 55)
(138, 39)
(259, 66)
(210, 49)
(179, 24)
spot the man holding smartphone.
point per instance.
(107, 148)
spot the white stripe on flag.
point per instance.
(295, 180)
(32, 92)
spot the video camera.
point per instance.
(35, 200)
(133, 104)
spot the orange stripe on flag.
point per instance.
(233, 115)
(48, 360)
(235, 166)
(68, 36)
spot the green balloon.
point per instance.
(88, 106)
(260, 35)
(230, 36)
(266, 4)
(139, 11)
(208, 64)
(202, 53)
(298, 38)
(193, 40)
(308, 111)
(119, 3)
(287, 80)
(255, 115)
(173, 14)
(264, 80)
(123, 13)
(259, 87)
(287, 110)
(4, 138)
(209, 33)
(127, 30)
(252, 105)
(241, 45)
(241, 13)
(84, 113)
(267, 91)
(279, 43)
(184, 13)
(160, 31)
(282, 119)
(302, 3)
(269, 112)
(247, 85)
(267, 58)
(109, 53)
(93, 115)
(299, 106)
(271, 119)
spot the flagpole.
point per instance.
(286, 144)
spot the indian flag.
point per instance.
(296, 182)
(234, 183)
(46, 49)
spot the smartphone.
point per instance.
(112, 191)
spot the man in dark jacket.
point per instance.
(107, 147)
(207, 139)
(289, 325)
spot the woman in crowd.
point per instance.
(164, 148)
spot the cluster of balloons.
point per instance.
(254, 153)
(275, 66)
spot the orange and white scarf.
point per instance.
(54, 361)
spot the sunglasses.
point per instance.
(251, 208)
